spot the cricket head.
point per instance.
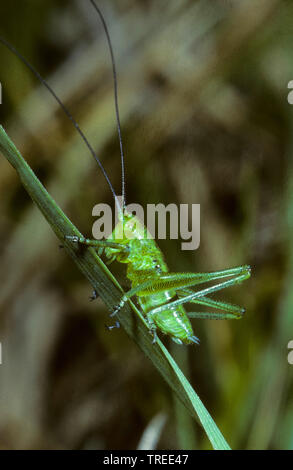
(127, 229)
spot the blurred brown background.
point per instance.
(203, 89)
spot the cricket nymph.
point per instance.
(156, 288)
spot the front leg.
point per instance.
(100, 245)
(97, 243)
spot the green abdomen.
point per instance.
(171, 321)
(146, 263)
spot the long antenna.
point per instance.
(116, 99)
(66, 111)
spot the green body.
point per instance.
(145, 262)
(161, 294)
(156, 289)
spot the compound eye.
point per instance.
(157, 265)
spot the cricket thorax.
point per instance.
(142, 255)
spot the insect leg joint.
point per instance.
(119, 306)
(72, 238)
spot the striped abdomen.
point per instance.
(171, 321)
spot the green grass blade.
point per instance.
(109, 290)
